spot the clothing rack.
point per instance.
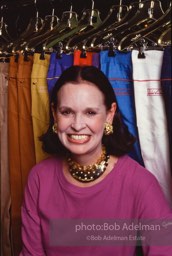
(70, 32)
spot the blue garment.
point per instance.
(166, 85)
(118, 69)
(56, 67)
(96, 60)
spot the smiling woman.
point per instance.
(83, 97)
(80, 117)
(90, 178)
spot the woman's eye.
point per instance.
(91, 113)
(66, 112)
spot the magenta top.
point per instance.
(128, 192)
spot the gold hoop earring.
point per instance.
(108, 129)
(54, 127)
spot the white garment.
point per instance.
(151, 117)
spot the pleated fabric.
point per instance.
(151, 117)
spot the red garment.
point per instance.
(86, 60)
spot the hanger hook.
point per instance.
(140, 4)
(35, 4)
(92, 6)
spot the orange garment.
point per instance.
(26, 139)
(14, 156)
(20, 136)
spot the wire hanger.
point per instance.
(120, 10)
(35, 24)
(123, 16)
(146, 13)
(165, 37)
(116, 15)
(52, 15)
(136, 36)
(40, 42)
(50, 22)
(85, 24)
(37, 17)
(91, 19)
(68, 24)
(92, 13)
(5, 38)
(70, 17)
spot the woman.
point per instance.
(89, 180)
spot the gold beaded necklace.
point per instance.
(87, 173)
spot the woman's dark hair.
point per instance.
(118, 143)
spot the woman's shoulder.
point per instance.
(136, 173)
(45, 168)
(143, 184)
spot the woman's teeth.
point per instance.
(79, 137)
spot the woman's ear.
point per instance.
(111, 113)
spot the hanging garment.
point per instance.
(56, 67)
(14, 155)
(21, 141)
(151, 117)
(82, 58)
(4, 167)
(96, 59)
(166, 85)
(40, 102)
(119, 71)
(26, 139)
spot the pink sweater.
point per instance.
(128, 192)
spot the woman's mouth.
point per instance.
(78, 138)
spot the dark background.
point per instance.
(17, 13)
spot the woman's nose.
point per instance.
(78, 123)
(78, 126)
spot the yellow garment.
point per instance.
(40, 102)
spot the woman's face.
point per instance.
(80, 117)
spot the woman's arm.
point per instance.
(157, 215)
(31, 228)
